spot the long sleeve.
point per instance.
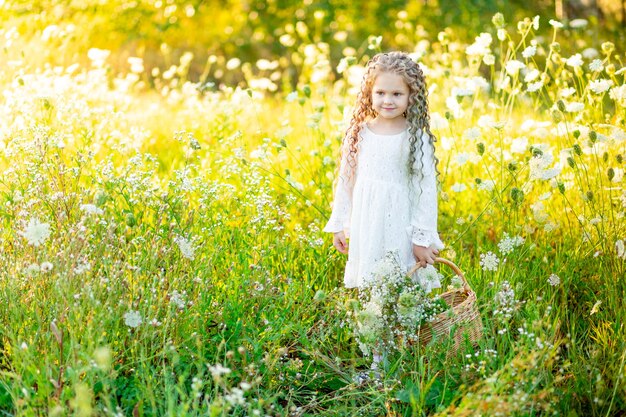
(342, 204)
(423, 228)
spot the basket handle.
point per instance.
(452, 265)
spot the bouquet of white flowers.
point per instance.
(393, 306)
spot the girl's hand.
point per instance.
(339, 242)
(424, 255)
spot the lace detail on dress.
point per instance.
(426, 238)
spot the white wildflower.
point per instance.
(429, 278)
(480, 46)
(508, 243)
(556, 24)
(575, 61)
(437, 121)
(519, 145)
(513, 66)
(600, 86)
(505, 301)
(186, 247)
(458, 187)
(596, 65)
(178, 299)
(619, 94)
(91, 209)
(532, 87)
(292, 96)
(532, 75)
(489, 59)
(554, 280)
(489, 261)
(132, 319)
(590, 53)
(529, 52)
(574, 107)
(36, 232)
(473, 133)
(46, 267)
(578, 23)
(218, 370)
(567, 92)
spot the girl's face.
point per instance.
(390, 96)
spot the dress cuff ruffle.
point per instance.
(335, 225)
(426, 238)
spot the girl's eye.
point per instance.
(397, 94)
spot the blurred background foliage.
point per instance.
(216, 38)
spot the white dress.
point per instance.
(384, 210)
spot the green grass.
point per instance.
(246, 181)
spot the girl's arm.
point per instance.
(342, 204)
(423, 229)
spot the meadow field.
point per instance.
(161, 251)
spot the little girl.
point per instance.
(386, 193)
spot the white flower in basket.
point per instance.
(393, 306)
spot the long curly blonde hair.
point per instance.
(417, 114)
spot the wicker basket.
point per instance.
(462, 319)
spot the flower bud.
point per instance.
(577, 150)
(478, 181)
(610, 69)
(557, 116)
(593, 136)
(605, 156)
(608, 48)
(480, 147)
(555, 47)
(589, 195)
(561, 105)
(611, 174)
(561, 187)
(498, 20)
(576, 133)
(619, 158)
(571, 162)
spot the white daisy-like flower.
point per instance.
(567, 92)
(600, 86)
(578, 23)
(218, 370)
(36, 232)
(596, 65)
(618, 93)
(133, 319)
(575, 61)
(574, 107)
